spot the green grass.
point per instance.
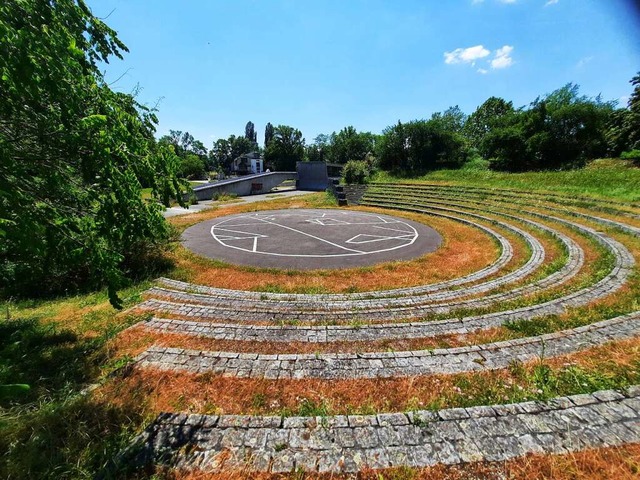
(606, 178)
(58, 348)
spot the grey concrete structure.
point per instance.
(312, 176)
(307, 239)
(241, 186)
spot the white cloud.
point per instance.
(502, 58)
(551, 2)
(483, 71)
(508, 1)
(466, 55)
(476, 2)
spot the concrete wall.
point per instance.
(243, 186)
(312, 176)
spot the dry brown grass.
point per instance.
(209, 393)
(135, 340)
(620, 463)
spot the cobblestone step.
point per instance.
(341, 444)
(489, 356)
(515, 197)
(445, 193)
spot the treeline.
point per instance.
(557, 131)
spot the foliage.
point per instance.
(184, 144)
(251, 135)
(285, 149)
(224, 151)
(631, 155)
(632, 123)
(73, 154)
(624, 127)
(561, 130)
(349, 144)
(421, 145)
(268, 134)
(355, 172)
(485, 118)
(192, 167)
(58, 347)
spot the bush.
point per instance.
(631, 155)
(355, 172)
(475, 163)
(192, 167)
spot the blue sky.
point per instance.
(321, 65)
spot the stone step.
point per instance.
(482, 357)
(412, 196)
(348, 444)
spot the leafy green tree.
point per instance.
(268, 134)
(192, 167)
(632, 122)
(624, 127)
(285, 149)
(561, 130)
(319, 149)
(183, 144)
(421, 145)
(240, 146)
(486, 116)
(452, 119)
(250, 133)
(220, 155)
(224, 151)
(72, 156)
(348, 144)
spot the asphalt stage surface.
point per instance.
(309, 239)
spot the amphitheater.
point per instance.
(563, 285)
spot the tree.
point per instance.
(632, 122)
(348, 144)
(624, 127)
(318, 151)
(452, 119)
(220, 155)
(561, 130)
(251, 134)
(183, 144)
(486, 116)
(224, 151)
(72, 156)
(268, 134)
(285, 149)
(240, 146)
(421, 145)
(192, 167)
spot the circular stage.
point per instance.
(307, 239)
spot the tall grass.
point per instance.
(606, 178)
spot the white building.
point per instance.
(248, 164)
